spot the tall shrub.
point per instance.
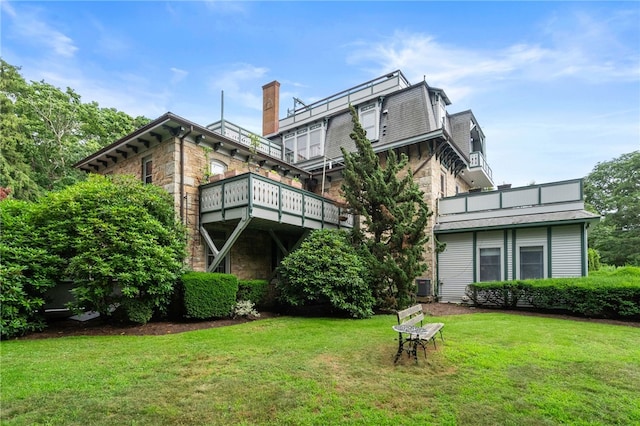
(120, 241)
(326, 269)
(26, 270)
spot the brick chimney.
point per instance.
(270, 107)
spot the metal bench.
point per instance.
(414, 335)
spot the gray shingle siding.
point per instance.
(460, 128)
(409, 114)
(338, 132)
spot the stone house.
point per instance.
(247, 199)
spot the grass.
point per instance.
(494, 368)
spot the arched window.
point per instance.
(217, 167)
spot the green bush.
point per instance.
(607, 294)
(26, 270)
(326, 270)
(209, 295)
(256, 291)
(120, 241)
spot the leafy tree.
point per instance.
(613, 190)
(45, 130)
(120, 241)
(326, 269)
(15, 170)
(394, 215)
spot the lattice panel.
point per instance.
(265, 194)
(236, 193)
(211, 198)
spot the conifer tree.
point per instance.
(394, 217)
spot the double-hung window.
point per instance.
(368, 116)
(531, 262)
(490, 264)
(147, 170)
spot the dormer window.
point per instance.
(304, 143)
(368, 116)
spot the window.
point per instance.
(302, 144)
(289, 147)
(443, 185)
(368, 116)
(305, 143)
(531, 262)
(147, 170)
(490, 264)
(217, 167)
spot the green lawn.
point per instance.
(493, 369)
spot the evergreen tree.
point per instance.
(394, 215)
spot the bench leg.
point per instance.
(400, 348)
(424, 349)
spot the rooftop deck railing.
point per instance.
(517, 198)
(246, 137)
(368, 90)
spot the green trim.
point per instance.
(540, 195)
(506, 255)
(520, 225)
(475, 260)
(583, 250)
(549, 256)
(435, 285)
(513, 254)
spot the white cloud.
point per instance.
(178, 75)
(239, 83)
(577, 45)
(27, 25)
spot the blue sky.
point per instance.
(554, 85)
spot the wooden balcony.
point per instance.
(250, 195)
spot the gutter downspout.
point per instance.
(182, 193)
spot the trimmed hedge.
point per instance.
(601, 295)
(257, 291)
(209, 295)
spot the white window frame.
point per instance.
(217, 167)
(298, 143)
(364, 111)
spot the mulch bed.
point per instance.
(97, 327)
